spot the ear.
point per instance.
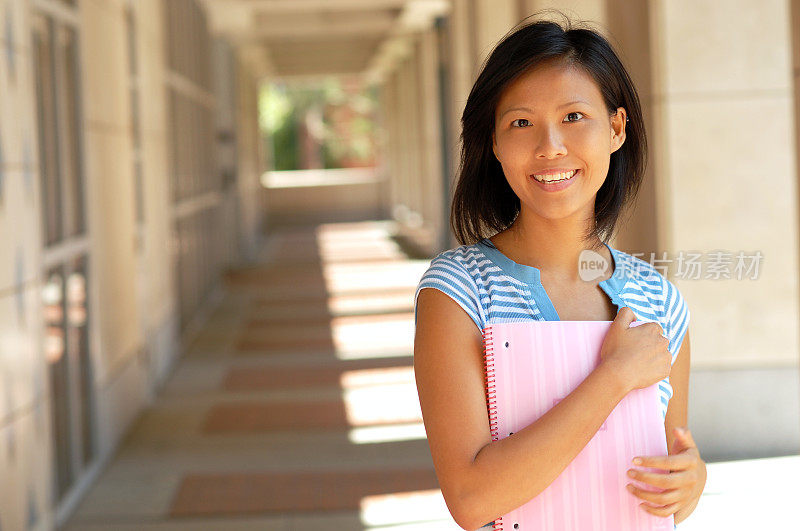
(618, 125)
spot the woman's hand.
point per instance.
(638, 354)
(683, 483)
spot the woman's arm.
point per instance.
(677, 411)
(482, 481)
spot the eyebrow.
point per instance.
(530, 111)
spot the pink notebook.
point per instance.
(530, 366)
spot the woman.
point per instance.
(553, 149)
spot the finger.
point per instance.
(685, 436)
(680, 461)
(660, 479)
(624, 318)
(658, 498)
(662, 511)
(682, 445)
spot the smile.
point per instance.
(555, 177)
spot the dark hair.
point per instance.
(483, 201)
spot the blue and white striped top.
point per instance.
(491, 288)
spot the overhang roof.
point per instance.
(300, 38)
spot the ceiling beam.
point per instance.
(417, 16)
(304, 36)
(310, 6)
(318, 25)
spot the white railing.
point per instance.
(322, 177)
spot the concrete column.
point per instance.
(403, 126)
(251, 163)
(494, 19)
(724, 133)
(463, 64)
(461, 75)
(388, 102)
(416, 195)
(431, 177)
(589, 10)
(410, 148)
(628, 23)
(397, 139)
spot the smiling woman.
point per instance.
(553, 149)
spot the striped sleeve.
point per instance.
(451, 278)
(677, 316)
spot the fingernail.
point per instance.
(637, 461)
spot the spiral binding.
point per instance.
(491, 395)
(489, 378)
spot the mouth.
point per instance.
(555, 177)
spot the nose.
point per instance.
(550, 143)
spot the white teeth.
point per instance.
(554, 177)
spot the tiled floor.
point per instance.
(296, 409)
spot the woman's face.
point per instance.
(553, 119)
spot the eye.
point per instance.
(570, 114)
(522, 122)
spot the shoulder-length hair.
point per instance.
(483, 202)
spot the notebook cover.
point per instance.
(530, 366)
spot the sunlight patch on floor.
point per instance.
(383, 434)
(370, 303)
(374, 339)
(382, 405)
(412, 510)
(346, 277)
(371, 377)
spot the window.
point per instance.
(55, 45)
(55, 49)
(65, 303)
(195, 182)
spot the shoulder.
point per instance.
(662, 295)
(460, 264)
(650, 280)
(453, 272)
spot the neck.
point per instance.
(552, 246)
